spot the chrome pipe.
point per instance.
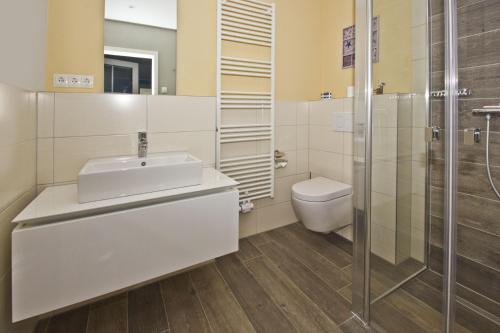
(451, 169)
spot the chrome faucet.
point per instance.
(142, 148)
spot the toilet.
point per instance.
(322, 204)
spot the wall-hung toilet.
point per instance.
(322, 204)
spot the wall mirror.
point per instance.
(140, 39)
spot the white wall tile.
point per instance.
(286, 113)
(385, 144)
(45, 114)
(320, 112)
(17, 171)
(348, 105)
(248, 224)
(383, 243)
(384, 177)
(70, 154)
(348, 143)
(302, 161)
(385, 111)
(325, 139)
(419, 109)
(286, 138)
(302, 113)
(418, 244)
(17, 114)
(99, 114)
(302, 137)
(419, 144)
(384, 210)
(275, 216)
(199, 144)
(181, 113)
(45, 161)
(327, 164)
(348, 169)
(282, 192)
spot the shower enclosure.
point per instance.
(427, 215)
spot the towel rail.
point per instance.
(249, 22)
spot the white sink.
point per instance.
(114, 177)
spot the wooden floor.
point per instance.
(285, 280)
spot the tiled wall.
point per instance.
(17, 177)
(292, 138)
(331, 151)
(73, 128)
(478, 209)
(76, 127)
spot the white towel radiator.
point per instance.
(245, 117)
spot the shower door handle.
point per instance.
(432, 134)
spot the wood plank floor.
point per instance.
(285, 280)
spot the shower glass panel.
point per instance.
(399, 151)
(427, 228)
(477, 221)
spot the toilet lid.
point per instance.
(320, 189)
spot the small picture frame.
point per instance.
(349, 44)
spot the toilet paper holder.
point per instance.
(279, 159)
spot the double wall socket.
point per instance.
(73, 81)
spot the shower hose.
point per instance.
(488, 167)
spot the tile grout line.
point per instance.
(298, 288)
(313, 271)
(201, 303)
(163, 298)
(233, 295)
(321, 255)
(271, 298)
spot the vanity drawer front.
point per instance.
(64, 263)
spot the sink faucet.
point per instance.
(142, 148)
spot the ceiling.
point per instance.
(157, 13)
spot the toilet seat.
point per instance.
(320, 189)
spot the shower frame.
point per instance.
(361, 299)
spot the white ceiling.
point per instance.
(157, 13)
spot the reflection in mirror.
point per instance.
(140, 38)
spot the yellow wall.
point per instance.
(75, 41)
(394, 67)
(337, 15)
(308, 45)
(298, 47)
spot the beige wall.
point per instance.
(75, 41)
(395, 63)
(23, 32)
(336, 15)
(298, 46)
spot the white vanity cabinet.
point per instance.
(58, 264)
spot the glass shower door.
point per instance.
(399, 154)
(465, 228)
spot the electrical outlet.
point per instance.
(74, 80)
(60, 80)
(87, 81)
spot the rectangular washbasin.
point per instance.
(114, 177)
